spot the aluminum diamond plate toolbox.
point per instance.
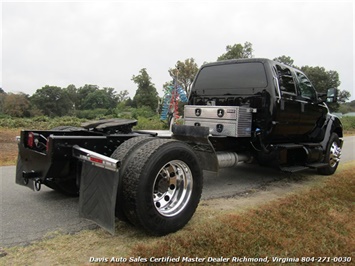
(233, 121)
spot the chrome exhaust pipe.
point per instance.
(230, 159)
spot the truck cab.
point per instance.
(287, 113)
(289, 107)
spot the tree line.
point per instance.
(55, 101)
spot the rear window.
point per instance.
(232, 76)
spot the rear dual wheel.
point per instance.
(161, 185)
(121, 154)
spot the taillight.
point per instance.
(30, 139)
(96, 160)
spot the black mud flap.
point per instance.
(98, 190)
(20, 180)
(98, 187)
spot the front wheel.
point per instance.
(332, 156)
(162, 186)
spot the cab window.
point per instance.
(306, 89)
(286, 81)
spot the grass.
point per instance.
(40, 122)
(317, 219)
(8, 146)
(348, 124)
(319, 223)
(46, 123)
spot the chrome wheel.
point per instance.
(334, 155)
(172, 188)
(162, 185)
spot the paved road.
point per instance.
(27, 215)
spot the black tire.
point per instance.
(162, 186)
(121, 153)
(332, 156)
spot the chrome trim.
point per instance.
(278, 86)
(96, 159)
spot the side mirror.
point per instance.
(332, 95)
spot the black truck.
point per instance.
(245, 110)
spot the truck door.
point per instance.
(310, 109)
(287, 113)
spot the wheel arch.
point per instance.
(332, 125)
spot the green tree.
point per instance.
(285, 60)
(72, 92)
(2, 99)
(146, 94)
(344, 96)
(83, 93)
(122, 96)
(129, 102)
(323, 80)
(16, 105)
(99, 98)
(52, 101)
(237, 51)
(185, 72)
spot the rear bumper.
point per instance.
(31, 166)
(99, 180)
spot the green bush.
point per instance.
(123, 111)
(46, 123)
(150, 123)
(95, 113)
(41, 122)
(41, 118)
(348, 123)
(143, 111)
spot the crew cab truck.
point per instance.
(246, 110)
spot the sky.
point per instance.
(105, 43)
